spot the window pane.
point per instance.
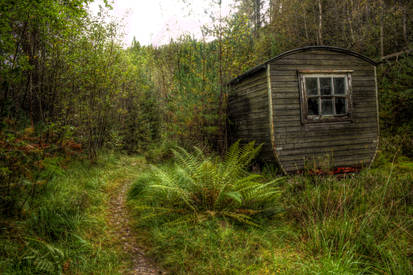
(313, 106)
(311, 85)
(339, 86)
(325, 85)
(340, 105)
(326, 106)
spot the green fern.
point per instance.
(44, 257)
(199, 187)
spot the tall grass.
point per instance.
(198, 187)
(366, 218)
(61, 231)
(357, 224)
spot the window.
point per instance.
(325, 95)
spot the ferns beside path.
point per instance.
(198, 187)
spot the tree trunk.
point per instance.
(305, 25)
(320, 23)
(350, 21)
(381, 29)
(221, 85)
(257, 16)
(405, 25)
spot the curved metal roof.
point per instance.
(308, 48)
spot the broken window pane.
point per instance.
(313, 106)
(339, 86)
(311, 85)
(326, 107)
(327, 96)
(340, 105)
(325, 85)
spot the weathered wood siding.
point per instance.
(248, 113)
(301, 144)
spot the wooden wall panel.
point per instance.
(346, 143)
(248, 113)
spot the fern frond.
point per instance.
(198, 187)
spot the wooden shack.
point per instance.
(309, 106)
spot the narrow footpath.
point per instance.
(125, 235)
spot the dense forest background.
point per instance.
(68, 86)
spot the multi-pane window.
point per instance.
(325, 96)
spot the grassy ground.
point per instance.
(361, 224)
(65, 229)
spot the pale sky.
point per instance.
(156, 21)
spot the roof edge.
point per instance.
(297, 50)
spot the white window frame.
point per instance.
(305, 117)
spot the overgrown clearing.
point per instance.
(82, 117)
(67, 229)
(359, 224)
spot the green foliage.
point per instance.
(161, 151)
(213, 247)
(359, 224)
(61, 66)
(184, 75)
(28, 161)
(396, 105)
(141, 124)
(61, 230)
(365, 218)
(68, 85)
(198, 187)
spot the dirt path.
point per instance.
(122, 231)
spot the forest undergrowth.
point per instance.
(71, 90)
(66, 228)
(204, 215)
(199, 214)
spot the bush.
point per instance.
(199, 187)
(396, 103)
(29, 159)
(159, 152)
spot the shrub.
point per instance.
(198, 187)
(160, 151)
(29, 159)
(396, 104)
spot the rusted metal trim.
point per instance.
(325, 71)
(271, 119)
(338, 171)
(377, 117)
